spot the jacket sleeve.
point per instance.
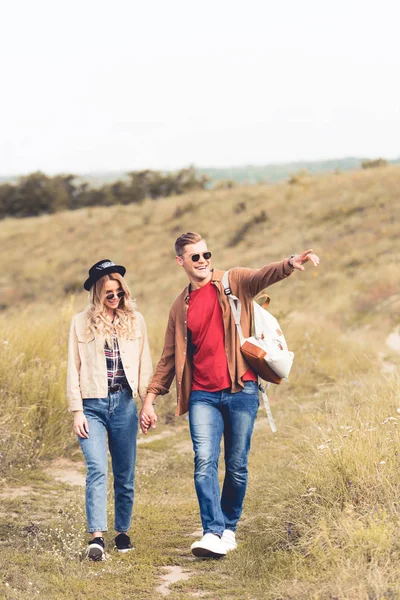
(252, 281)
(165, 370)
(74, 395)
(145, 364)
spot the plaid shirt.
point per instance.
(115, 370)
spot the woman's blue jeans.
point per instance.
(211, 415)
(115, 418)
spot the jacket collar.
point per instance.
(216, 276)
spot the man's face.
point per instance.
(196, 270)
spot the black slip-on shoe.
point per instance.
(123, 543)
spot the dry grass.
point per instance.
(322, 515)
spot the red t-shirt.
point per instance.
(207, 337)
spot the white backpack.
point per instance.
(266, 351)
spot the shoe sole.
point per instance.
(204, 553)
(123, 550)
(95, 553)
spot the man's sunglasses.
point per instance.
(111, 295)
(206, 255)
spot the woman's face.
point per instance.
(112, 287)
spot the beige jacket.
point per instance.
(87, 366)
(176, 357)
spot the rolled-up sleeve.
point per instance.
(165, 370)
(256, 280)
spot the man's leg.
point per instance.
(206, 428)
(240, 411)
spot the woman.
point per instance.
(109, 365)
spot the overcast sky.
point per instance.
(91, 85)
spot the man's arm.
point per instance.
(255, 280)
(162, 379)
(145, 364)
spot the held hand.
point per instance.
(299, 259)
(147, 417)
(81, 426)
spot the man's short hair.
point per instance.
(187, 238)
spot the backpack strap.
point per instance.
(236, 307)
(262, 386)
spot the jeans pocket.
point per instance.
(250, 387)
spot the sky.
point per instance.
(93, 85)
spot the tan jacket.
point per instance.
(87, 365)
(176, 359)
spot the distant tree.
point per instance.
(375, 163)
(156, 184)
(7, 191)
(38, 193)
(32, 196)
(65, 193)
(298, 177)
(224, 184)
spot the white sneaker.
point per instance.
(229, 540)
(210, 546)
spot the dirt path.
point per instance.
(172, 575)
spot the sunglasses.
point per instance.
(206, 255)
(111, 295)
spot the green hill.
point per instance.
(349, 218)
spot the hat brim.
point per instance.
(89, 283)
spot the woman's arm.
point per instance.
(74, 396)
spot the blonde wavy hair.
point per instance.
(96, 313)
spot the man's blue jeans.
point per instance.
(211, 415)
(114, 417)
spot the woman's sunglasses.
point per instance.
(111, 295)
(206, 255)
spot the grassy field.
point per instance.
(322, 513)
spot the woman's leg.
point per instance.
(123, 427)
(94, 449)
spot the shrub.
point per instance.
(241, 233)
(374, 163)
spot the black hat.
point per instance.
(101, 268)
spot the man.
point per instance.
(214, 382)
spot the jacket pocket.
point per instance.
(84, 338)
(87, 349)
(135, 336)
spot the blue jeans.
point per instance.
(211, 415)
(115, 417)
